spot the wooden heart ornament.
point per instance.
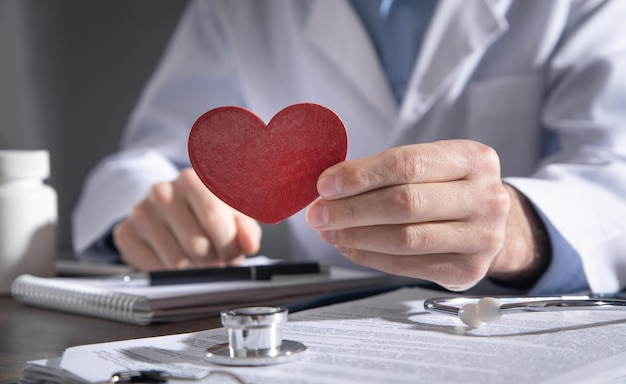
(268, 172)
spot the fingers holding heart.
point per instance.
(433, 211)
(397, 204)
(409, 219)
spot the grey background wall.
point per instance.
(70, 73)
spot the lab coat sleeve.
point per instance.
(581, 189)
(194, 76)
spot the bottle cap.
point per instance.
(22, 164)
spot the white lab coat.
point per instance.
(499, 72)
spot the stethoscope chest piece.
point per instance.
(255, 338)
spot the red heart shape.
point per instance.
(268, 172)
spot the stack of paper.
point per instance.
(383, 339)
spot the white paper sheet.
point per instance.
(391, 339)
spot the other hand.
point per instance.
(181, 224)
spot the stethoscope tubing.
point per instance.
(452, 305)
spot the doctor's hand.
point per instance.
(181, 224)
(436, 211)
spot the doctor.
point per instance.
(487, 140)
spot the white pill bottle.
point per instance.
(28, 216)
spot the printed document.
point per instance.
(390, 338)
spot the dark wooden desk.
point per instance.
(28, 333)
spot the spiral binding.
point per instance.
(79, 299)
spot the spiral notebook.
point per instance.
(143, 305)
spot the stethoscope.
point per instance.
(476, 311)
(254, 339)
(255, 333)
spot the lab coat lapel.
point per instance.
(459, 34)
(335, 31)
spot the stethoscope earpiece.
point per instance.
(475, 315)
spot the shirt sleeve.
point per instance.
(565, 273)
(103, 250)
